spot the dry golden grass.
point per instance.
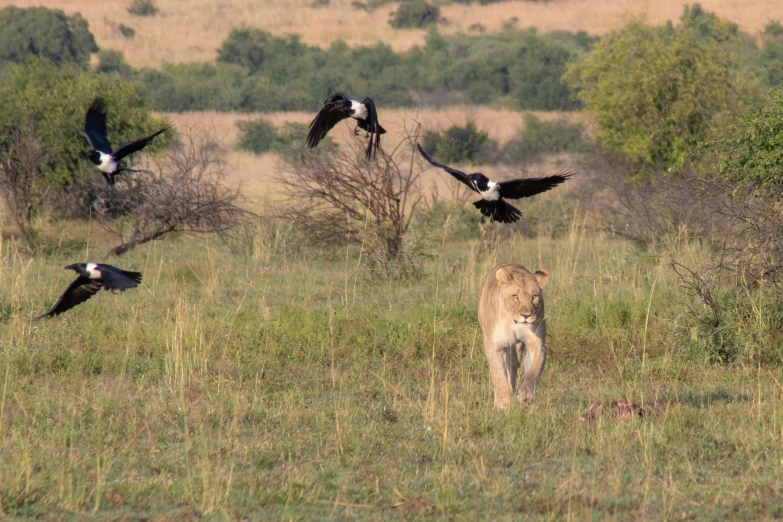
(257, 172)
(192, 30)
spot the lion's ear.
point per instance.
(503, 277)
(542, 276)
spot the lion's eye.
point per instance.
(516, 297)
(535, 298)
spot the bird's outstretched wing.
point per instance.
(130, 148)
(371, 125)
(114, 278)
(95, 127)
(78, 292)
(459, 175)
(523, 188)
(336, 108)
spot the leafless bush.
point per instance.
(22, 183)
(184, 192)
(662, 207)
(340, 197)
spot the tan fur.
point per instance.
(513, 327)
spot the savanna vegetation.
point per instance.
(317, 355)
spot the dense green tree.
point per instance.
(38, 32)
(414, 14)
(54, 101)
(749, 149)
(654, 91)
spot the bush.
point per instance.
(260, 136)
(113, 62)
(38, 32)
(414, 14)
(654, 91)
(125, 31)
(56, 100)
(460, 145)
(256, 136)
(539, 138)
(196, 86)
(143, 8)
(257, 71)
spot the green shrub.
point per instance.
(125, 31)
(543, 137)
(143, 8)
(460, 145)
(654, 91)
(257, 136)
(113, 62)
(414, 14)
(38, 32)
(56, 99)
(188, 87)
(289, 141)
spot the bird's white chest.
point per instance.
(359, 110)
(107, 164)
(492, 193)
(92, 268)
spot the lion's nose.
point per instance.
(526, 316)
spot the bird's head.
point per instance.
(94, 156)
(79, 268)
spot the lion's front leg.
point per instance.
(535, 357)
(502, 372)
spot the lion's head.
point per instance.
(520, 292)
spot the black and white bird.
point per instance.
(493, 195)
(101, 154)
(92, 277)
(338, 107)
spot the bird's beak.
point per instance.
(71, 267)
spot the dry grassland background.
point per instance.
(256, 173)
(187, 31)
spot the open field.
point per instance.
(276, 382)
(192, 30)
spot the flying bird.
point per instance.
(338, 107)
(91, 278)
(493, 195)
(101, 154)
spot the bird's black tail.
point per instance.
(136, 276)
(499, 210)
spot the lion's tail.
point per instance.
(499, 210)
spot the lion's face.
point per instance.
(521, 295)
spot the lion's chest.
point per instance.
(511, 336)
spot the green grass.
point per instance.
(272, 382)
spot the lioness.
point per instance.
(511, 314)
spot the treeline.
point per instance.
(257, 71)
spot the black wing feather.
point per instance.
(114, 278)
(372, 126)
(95, 127)
(336, 108)
(459, 175)
(78, 292)
(134, 146)
(523, 188)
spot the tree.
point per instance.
(38, 32)
(56, 99)
(654, 91)
(21, 176)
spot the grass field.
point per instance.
(270, 381)
(192, 30)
